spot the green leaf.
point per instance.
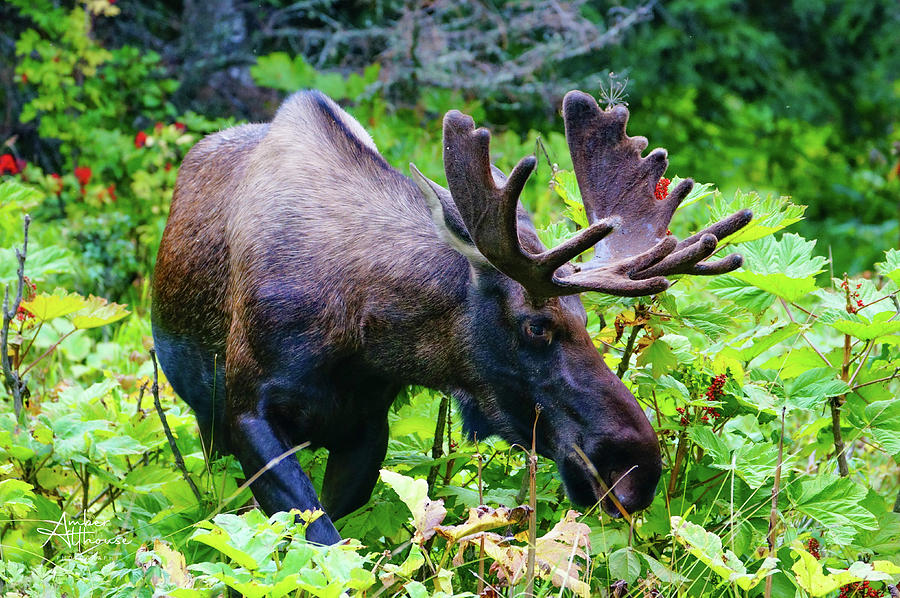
(785, 268)
(835, 503)
(866, 329)
(16, 497)
(625, 564)
(427, 514)
(890, 267)
(660, 357)
(707, 547)
(770, 214)
(742, 293)
(884, 421)
(813, 387)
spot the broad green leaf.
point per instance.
(663, 573)
(742, 293)
(794, 362)
(707, 547)
(660, 357)
(835, 503)
(61, 303)
(812, 388)
(785, 268)
(625, 564)
(706, 317)
(15, 497)
(884, 421)
(890, 267)
(763, 338)
(778, 284)
(698, 192)
(770, 214)
(866, 329)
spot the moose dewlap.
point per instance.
(302, 282)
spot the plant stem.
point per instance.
(679, 457)
(532, 503)
(629, 348)
(179, 461)
(437, 447)
(773, 514)
(14, 381)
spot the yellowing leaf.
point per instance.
(707, 547)
(482, 519)
(61, 303)
(811, 577)
(98, 312)
(427, 514)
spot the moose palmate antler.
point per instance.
(628, 225)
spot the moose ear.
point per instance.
(447, 221)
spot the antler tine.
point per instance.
(616, 181)
(488, 207)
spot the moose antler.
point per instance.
(641, 256)
(616, 181)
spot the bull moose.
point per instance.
(302, 282)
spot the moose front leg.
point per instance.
(352, 470)
(284, 486)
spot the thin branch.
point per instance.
(803, 334)
(179, 461)
(14, 381)
(885, 379)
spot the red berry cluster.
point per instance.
(852, 296)
(662, 188)
(28, 292)
(860, 589)
(812, 545)
(713, 393)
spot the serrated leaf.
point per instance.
(624, 564)
(770, 214)
(482, 519)
(707, 547)
(778, 284)
(884, 421)
(742, 293)
(812, 388)
(660, 357)
(46, 307)
(866, 329)
(835, 503)
(98, 312)
(890, 267)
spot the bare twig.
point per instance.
(12, 379)
(179, 460)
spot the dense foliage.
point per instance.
(772, 388)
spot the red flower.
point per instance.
(662, 188)
(83, 174)
(140, 140)
(180, 127)
(8, 165)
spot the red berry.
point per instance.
(662, 188)
(140, 140)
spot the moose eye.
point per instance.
(537, 331)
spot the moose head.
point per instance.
(302, 282)
(526, 325)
